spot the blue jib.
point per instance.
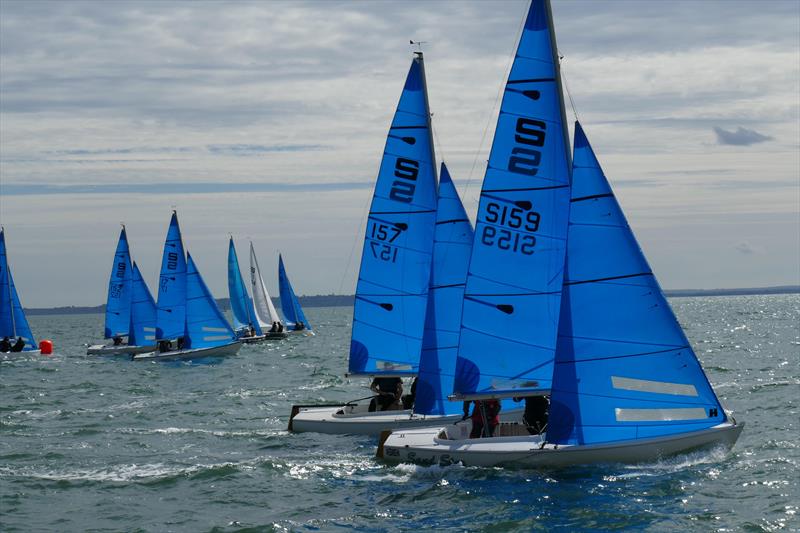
(205, 324)
(143, 312)
(624, 368)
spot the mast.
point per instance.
(557, 64)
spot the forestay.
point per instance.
(171, 314)
(292, 311)
(205, 324)
(392, 289)
(265, 310)
(241, 305)
(624, 368)
(143, 312)
(118, 303)
(513, 290)
(451, 251)
(13, 323)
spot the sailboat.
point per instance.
(409, 234)
(266, 315)
(296, 321)
(187, 312)
(121, 320)
(13, 323)
(245, 324)
(623, 381)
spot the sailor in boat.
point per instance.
(164, 346)
(280, 327)
(408, 399)
(536, 411)
(5, 345)
(19, 345)
(389, 391)
(117, 340)
(180, 343)
(299, 326)
(483, 410)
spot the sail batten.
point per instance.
(392, 289)
(624, 368)
(513, 289)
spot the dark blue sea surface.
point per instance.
(102, 444)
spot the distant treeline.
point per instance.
(341, 300)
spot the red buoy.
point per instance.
(46, 347)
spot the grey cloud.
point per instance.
(745, 248)
(740, 137)
(22, 189)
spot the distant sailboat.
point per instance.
(120, 319)
(267, 316)
(598, 336)
(245, 323)
(296, 320)
(187, 313)
(13, 323)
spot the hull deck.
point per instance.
(185, 355)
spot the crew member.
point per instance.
(389, 391)
(491, 409)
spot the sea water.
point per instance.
(100, 444)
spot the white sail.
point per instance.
(265, 311)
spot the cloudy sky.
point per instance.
(267, 120)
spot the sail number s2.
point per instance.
(381, 235)
(403, 188)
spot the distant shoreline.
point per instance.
(343, 300)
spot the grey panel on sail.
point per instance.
(659, 415)
(658, 387)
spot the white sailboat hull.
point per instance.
(122, 349)
(356, 420)
(429, 446)
(10, 355)
(268, 336)
(185, 355)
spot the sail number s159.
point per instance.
(518, 222)
(406, 170)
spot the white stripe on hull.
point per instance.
(123, 349)
(426, 447)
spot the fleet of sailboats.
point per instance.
(548, 301)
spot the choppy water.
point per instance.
(101, 444)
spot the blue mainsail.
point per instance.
(118, 304)
(241, 304)
(13, 323)
(171, 313)
(624, 368)
(292, 311)
(392, 289)
(143, 312)
(205, 324)
(451, 251)
(513, 290)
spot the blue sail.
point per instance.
(171, 313)
(205, 324)
(241, 304)
(7, 328)
(143, 312)
(513, 290)
(392, 289)
(13, 323)
(292, 311)
(451, 251)
(118, 304)
(624, 368)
